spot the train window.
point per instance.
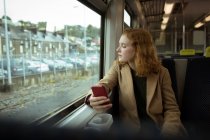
(49, 56)
(127, 18)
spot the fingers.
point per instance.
(95, 102)
(96, 99)
(100, 103)
(102, 108)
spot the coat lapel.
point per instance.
(151, 86)
(127, 87)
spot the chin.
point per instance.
(121, 61)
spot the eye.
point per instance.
(123, 45)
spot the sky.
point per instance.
(127, 18)
(56, 13)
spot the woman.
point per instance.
(145, 91)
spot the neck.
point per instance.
(131, 64)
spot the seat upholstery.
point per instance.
(196, 98)
(170, 65)
(181, 66)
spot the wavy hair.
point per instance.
(146, 60)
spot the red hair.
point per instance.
(146, 60)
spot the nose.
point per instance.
(118, 49)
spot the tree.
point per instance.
(1, 22)
(42, 26)
(92, 31)
(76, 31)
(8, 18)
(27, 25)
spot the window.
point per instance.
(51, 58)
(127, 18)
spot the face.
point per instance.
(125, 50)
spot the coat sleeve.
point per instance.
(110, 80)
(172, 125)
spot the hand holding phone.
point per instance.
(99, 90)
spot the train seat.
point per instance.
(170, 65)
(207, 52)
(180, 68)
(187, 52)
(195, 110)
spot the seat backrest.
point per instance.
(195, 111)
(207, 52)
(187, 52)
(170, 65)
(180, 68)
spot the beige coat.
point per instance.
(161, 102)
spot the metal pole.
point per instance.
(30, 44)
(183, 37)
(85, 39)
(175, 37)
(183, 27)
(66, 41)
(7, 46)
(40, 58)
(205, 34)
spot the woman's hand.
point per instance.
(100, 103)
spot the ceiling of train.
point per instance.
(185, 12)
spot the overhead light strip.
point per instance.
(199, 24)
(207, 19)
(168, 7)
(202, 21)
(165, 19)
(163, 26)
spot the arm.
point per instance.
(108, 81)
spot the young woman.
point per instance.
(146, 97)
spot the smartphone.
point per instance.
(99, 90)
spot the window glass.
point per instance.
(49, 56)
(127, 18)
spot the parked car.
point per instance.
(3, 74)
(77, 63)
(17, 68)
(52, 64)
(36, 66)
(64, 64)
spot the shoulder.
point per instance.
(118, 66)
(164, 72)
(163, 69)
